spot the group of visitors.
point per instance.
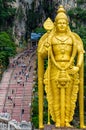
(22, 67)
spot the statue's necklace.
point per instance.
(62, 40)
(62, 45)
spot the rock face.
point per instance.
(20, 19)
(67, 3)
(23, 5)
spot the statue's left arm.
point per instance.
(80, 64)
(80, 56)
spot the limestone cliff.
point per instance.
(19, 28)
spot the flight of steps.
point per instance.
(4, 85)
(22, 95)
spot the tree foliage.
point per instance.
(7, 48)
(77, 14)
(80, 1)
(7, 13)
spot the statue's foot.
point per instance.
(68, 125)
(58, 125)
(83, 126)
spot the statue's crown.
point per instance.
(61, 13)
(61, 9)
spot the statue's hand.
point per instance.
(73, 70)
(47, 45)
(67, 66)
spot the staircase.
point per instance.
(15, 98)
(4, 85)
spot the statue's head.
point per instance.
(61, 20)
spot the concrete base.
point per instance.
(52, 127)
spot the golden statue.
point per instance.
(63, 78)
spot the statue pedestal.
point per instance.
(52, 127)
(49, 127)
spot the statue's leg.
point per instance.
(73, 100)
(56, 102)
(68, 91)
(71, 97)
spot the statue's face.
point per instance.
(61, 25)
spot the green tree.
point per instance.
(7, 13)
(77, 16)
(7, 48)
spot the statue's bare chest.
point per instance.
(62, 44)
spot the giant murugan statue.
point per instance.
(63, 78)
